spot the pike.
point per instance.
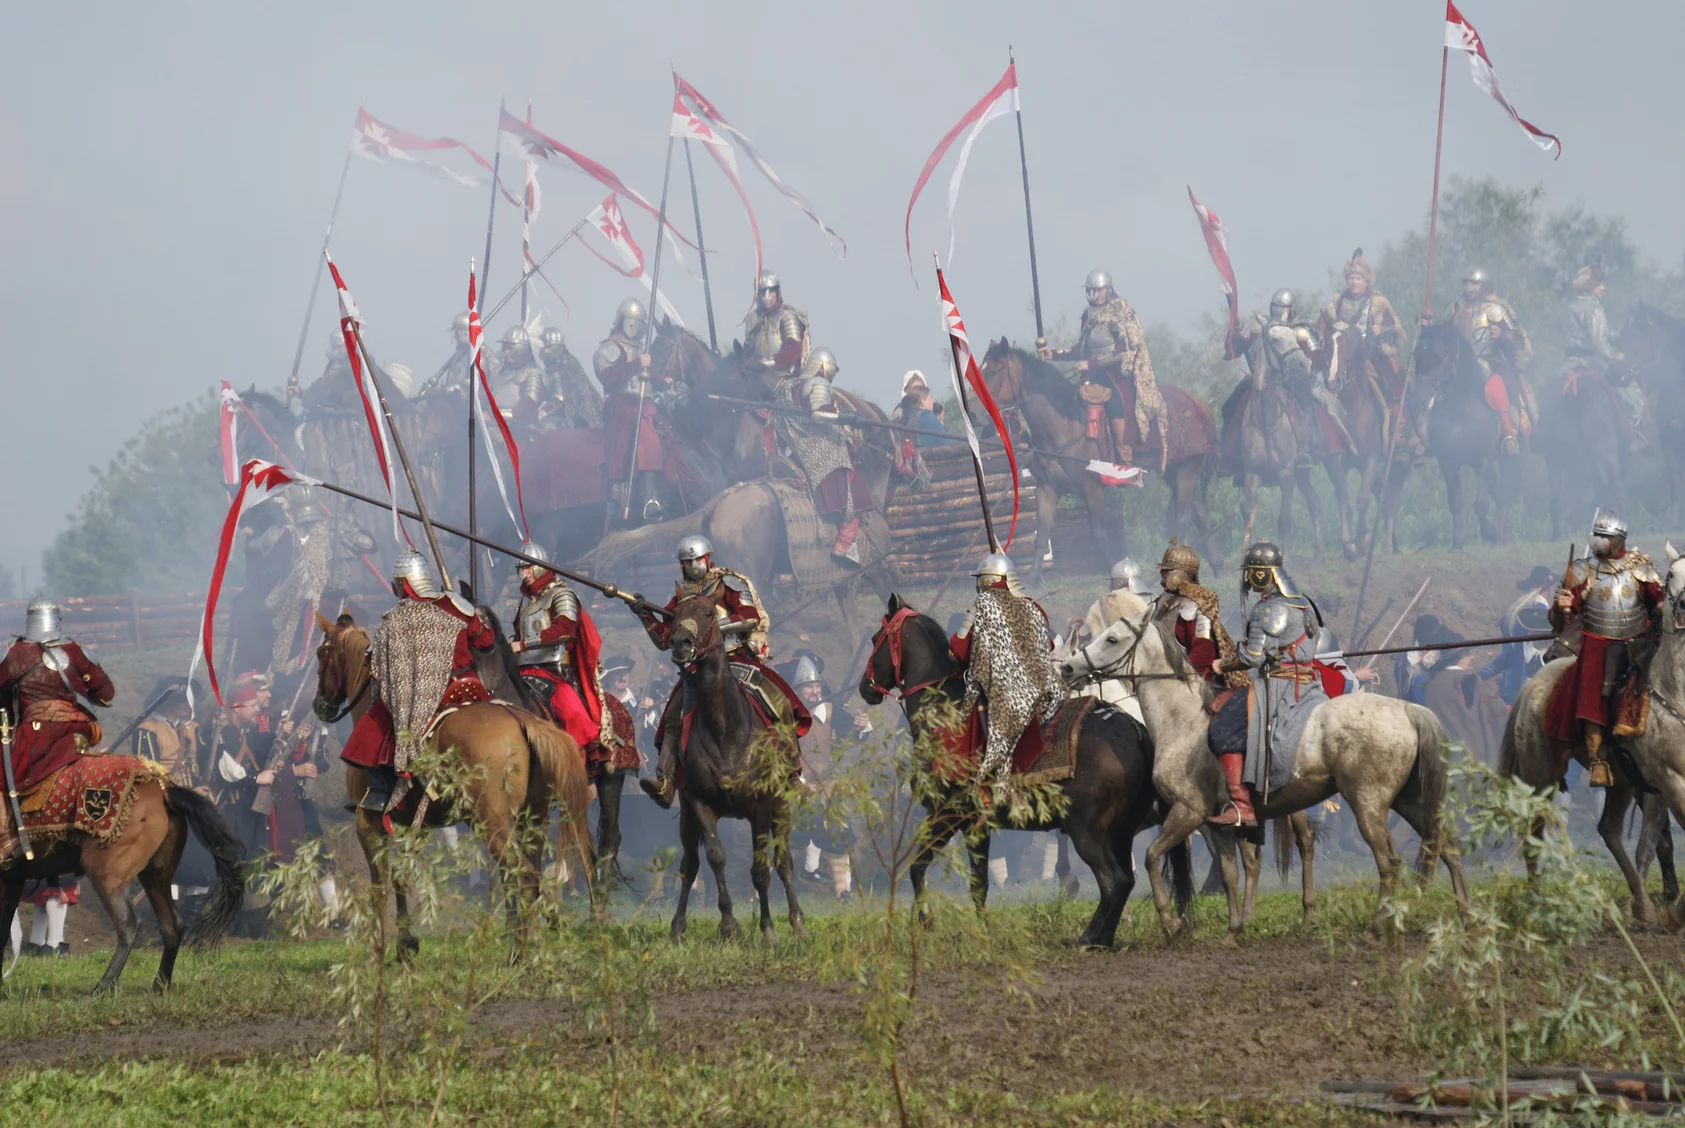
(1029, 224)
(6, 731)
(1467, 644)
(485, 272)
(649, 329)
(316, 283)
(701, 249)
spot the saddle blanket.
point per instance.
(92, 795)
(1046, 753)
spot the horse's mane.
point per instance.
(499, 672)
(255, 399)
(1041, 378)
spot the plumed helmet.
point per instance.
(459, 324)
(1126, 575)
(629, 318)
(913, 376)
(411, 567)
(1281, 304)
(401, 377)
(694, 547)
(768, 281)
(1476, 276)
(1180, 558)
(515, 337)
(42, 622)
(1609, 525)
(824, 363)
(553, 337)
(534, 550)
(1359, 266)
(1098, 281)
(806, 672)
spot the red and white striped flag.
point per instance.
(608, 221)
(690, 127)
(374, 139)
(350, 322)
(965, 371)
(1461, 36)
(1217, 243)
(708, 113)
(1111, 474)
(475, 333)
(1001, 100)
(227, 433)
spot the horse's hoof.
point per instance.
(1070, 889)
(798, 930)
(1231, 940)
(730, 930)
(408, 948)
(160, 986)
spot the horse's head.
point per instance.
(696, 630)
(1439, 349)
(1003, 371)
(342, 667)
(1112, 654)
(909, 653)
(679, 354)
(1675, 586)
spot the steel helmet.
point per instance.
(1180, 558)
(1097, 282)
(1609, 525)
(768, 281)
(41, 622)
(411, 567)
(553, 337)
(629, 318)
(806, 672)
(824, 363)
(1126, 576)
(459, 325)
(1281, 304)
(534, 550)
(694, 553)
(1263, 568)
(1477, 275)
(516, 336)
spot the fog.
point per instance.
(168, 171)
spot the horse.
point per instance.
(1587, 441)
(517, 763)
(1378, 753)
(720, 734)
(1654, 347)
(1262, 448)
(1052, 413)
(1110, 796)
(1364, 406)
(1463, 432)
(1657, 755)
(148, 847)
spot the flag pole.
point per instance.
(649, 329)
(485, 273)
(526, 219)
(1029, 224)
(701, 249)
(316, 283)
(965, 406)
(1433, 215)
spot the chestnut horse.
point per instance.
(517, 763)
(149, 848)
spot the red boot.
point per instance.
(1239, 810)
(844, 547)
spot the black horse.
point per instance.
(1654, 347)
(1111, 797)
(1462, 432)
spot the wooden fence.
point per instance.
(934, 530)
(118, 623)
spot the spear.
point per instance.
(649, 329)
(701, 249)
(316, 283)
(1029, 225)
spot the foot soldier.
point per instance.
(609, 761)
(1004, 642)
(1255, 734)
(820, 446)
(1112, 350)
(556, 646)
(1379, 337)
(1488, 323)
(775, 335)
(633, 458)
(1282, 352)
(1193, 614)
(744, 627)
(51, 688)
(242, 741)
(422, 658)
(1614, 595)
(1589, 350)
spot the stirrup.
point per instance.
(1508, 445)
(1600, 774)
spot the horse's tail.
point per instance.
(1434, 781)
(1178, 869)
(229, 856)
(1281, 830)
(558, 759)
(1509, 754)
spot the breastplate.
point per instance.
(534, 618)
(1613, 607)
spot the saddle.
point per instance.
(1046, 753)
(92, 796)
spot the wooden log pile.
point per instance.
(936, 529)
(119, 623)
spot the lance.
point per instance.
(485, 272)
(634, 600)
(316, 283)
(649, 329)
(965, 407)
(1402, 615)
(701, 249)
(6, 731)
(1029, 224)
(1473, 642)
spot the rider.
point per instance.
(572, 395)
(422, 661)
(775, 335)
(1488, 323)
(1282, 351)
(822, 450)
(629, 410)
(1102, 613)
(1004, 644)
(1615, 596)
(1193, 611)
(1380, 335)
(1589, 348)
(1113, 344)
(51, 689)
(556, 647)
(743, 626)
(1256, 733)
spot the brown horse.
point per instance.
(517, 765)
(1056, 419)
(1261, 443)
(148, 847)
(1364, 405)
(1654, 347)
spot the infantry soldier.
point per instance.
(578, 403)
(1589, 349)
(1615, 596)
(51, 689)
(818, 770)
(775, 335)
(1380, 336)
(744, 626)
(1112, 349)
(614, 755)
(1282, 352)
(1488, 323)
(168, 735)
(622, 368)
(556, 646)
(822, 450)
(244, 739)
(1004, 643)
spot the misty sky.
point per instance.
(169, 168)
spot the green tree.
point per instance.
(152, 517)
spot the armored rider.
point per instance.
(1193, 612)
(821, 448)
(1283, 351)
(630, 390)
(1127, 580)
(1005, 643)
(775, 334)
(1589, 349)
(556, 646)
(1255, 735)
(51, 689)
(1615, 596)
(743, 626)
(1112, 350)
(1488, 323)
(459, 369)
(574, 401)
(1380, 335)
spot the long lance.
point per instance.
(485, 272)
(1029, 224)
(316, 283)
(1473, 642)
(701, 249)
(965, 407)
(634, 600)
(649, 329)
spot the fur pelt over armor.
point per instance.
(411, 657)
(1177, 583)
(1010, 670)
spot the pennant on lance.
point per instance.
(382, 143)
(1217, 243)
(608, 221)
(1461, 36)
(1111, 474)
(475, 336)
(350, 322)
(690, 127)
(965, 372)
(227, 433)
(1001, 100)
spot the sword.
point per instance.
(11, 783)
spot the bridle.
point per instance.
(890, 633)
(1113, 670)
(337, 668)
(700, 648)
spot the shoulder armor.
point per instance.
(610, 352)
(462, 605)
(1273, 616)
(792, 321)
(1643, 570)
(563, 601)
(1580, 572)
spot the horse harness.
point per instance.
(890, 633)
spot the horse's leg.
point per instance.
(690, 834)
(1664, 856)
(1313, 506)
(1069, 885)
(1339, 476)
(370, 837)
(977, 850)
(1453, 474)
(1181, 821)
(933, 834)
(1047, 508)
(157, 885)
(786, 868)
(760, 867)
(1617, 800)
(1392, 501)
(110, 886)
(11, 896)
(709, 822)
(1372, 824)
(1095, 846)
(1252, 864)
(1110, 541)
(1306, 838)
(1439, 842)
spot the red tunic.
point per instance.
(1201, 651)
(572, 709)
(1578, 694)
(49, 716)
(621, 413)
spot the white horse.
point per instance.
(1379, 753)
(1658, 753)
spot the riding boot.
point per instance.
(1597, 765)
(646, 498)
(1122, 452)
(660, 788)
(1238, 811)
(845, 546)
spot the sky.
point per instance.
(169, 170)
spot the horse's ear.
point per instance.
(322, 624)
(896, 603)
(345, 620)
(1672, 553)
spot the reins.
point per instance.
(890, 632)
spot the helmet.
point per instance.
(515, 338)
(42, 622)
(553, 337)
(1605, 528)
(824, 363)
(1589, 277)
(1476, 276)
(1180, 558)
(412, 567)
(694, 552)
(997, 566)
(629, 318)
(1097, 282)
(1281, 305)
(536, 551)
(768, 281)
(807, 671)
(1126, 575)
(1262, 570)
(459, 326)
(302, 507)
